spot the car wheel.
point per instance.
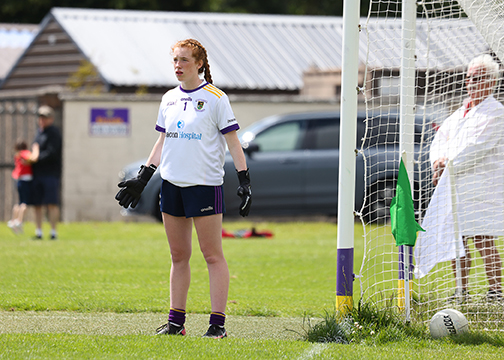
(157, 208)
(380, 197)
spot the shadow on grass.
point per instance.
(479, 338)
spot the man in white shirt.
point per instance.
(473, 140)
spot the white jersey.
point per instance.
(194, 123)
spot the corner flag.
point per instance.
(402, 212)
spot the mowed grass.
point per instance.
(122, 269)
(64, 346)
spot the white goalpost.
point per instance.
(417, 56)
(346, 183)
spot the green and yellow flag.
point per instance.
(402, 211)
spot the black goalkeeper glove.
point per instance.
(245, 192)
(131, 189)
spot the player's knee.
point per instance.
(214, 257)
(180, 257)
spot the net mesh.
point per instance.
(449, 34)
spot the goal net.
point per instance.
(464, 204)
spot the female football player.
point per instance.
(195, 122)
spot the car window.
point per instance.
(385, 130)
(322, 134)
(281, 137)
(382, 131)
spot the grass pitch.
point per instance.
(124, 268)
(102, 289)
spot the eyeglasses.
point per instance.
(477, 78)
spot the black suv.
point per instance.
(294, 160)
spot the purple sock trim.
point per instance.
(217, 318)
(177, 316)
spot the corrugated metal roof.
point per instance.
(440, 43)
(247, 51)
(14, 39)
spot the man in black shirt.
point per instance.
(46, 164)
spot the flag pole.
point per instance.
(458, 268)
(404, 285)
(404, 229)
(407, 115)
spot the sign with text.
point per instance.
(109, 122)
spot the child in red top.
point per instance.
(23, 175)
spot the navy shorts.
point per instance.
(45, 190)
(191, 201)
(25, 191)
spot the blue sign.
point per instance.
(109, 122)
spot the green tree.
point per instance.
(33, 11)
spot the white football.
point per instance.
(448, 322)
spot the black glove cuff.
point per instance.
(145, 173)
(243, 177)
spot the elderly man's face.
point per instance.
(478, 82)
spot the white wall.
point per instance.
(91, 164)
